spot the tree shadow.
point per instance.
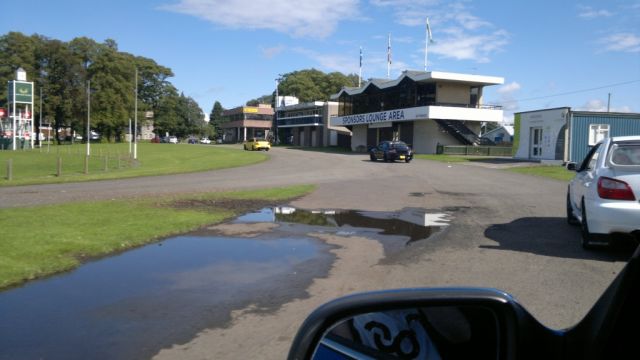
(552, 236)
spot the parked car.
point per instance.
(603, 196)
(192, 140)
(257, 144)
(173, 140)
(391, 151)
(205, 141)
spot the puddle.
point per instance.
(131, 305)
(416, 224)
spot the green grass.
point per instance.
(38, 166)
(43, 240)
(447, 158)
(553, 172)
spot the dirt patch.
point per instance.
(234, 205)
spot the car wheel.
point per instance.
(372, 157)
(407, 160)
(571, 218)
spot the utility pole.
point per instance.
(88, 135)
(277, 104)
(135, 124)
(609, 103)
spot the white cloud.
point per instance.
(271, 52)
(458, 34)
(600, 105)
(508, 89)
(624, 42)
(332, 62)
(461, 45)
(304, 18)
(589, 13)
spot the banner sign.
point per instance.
(408, 114)
(24, 92)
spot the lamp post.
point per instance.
(135, 117)
(277, 104)
(88, 118)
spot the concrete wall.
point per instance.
(427, 135)
(359, 136)
(453, 93)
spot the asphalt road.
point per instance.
(507, 230)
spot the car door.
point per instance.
(585, 177)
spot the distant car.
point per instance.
(257, 144)
(192, 141)
(94, 135)
(173, 140)
(603, 196)
(205, 141)
(391, 151)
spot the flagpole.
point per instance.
(389, 58)
(428, 39)
(426, 45)
(360, 73)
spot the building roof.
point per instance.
(507, 128)
(307, 105)
(424, 76)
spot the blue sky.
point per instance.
(232, 50)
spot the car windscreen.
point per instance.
(625, 154)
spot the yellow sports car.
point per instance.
(257, 144)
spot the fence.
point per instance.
(475, 150)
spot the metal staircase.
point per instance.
(462, 133)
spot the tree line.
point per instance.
(62, 70)
(307, 85)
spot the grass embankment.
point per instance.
(39, 166)
(43, 240)
(553, 172)
(550, 171)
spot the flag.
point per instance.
(389, 50)
(429, 36)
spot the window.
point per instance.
(597, 132)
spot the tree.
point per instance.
(314, 85)
(215, 118)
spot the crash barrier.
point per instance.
(475, 150)
(59, 164)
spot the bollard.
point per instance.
(86, 164)
(59, 170)
(10, 169)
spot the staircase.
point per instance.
(462, 133)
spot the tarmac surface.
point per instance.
(506, 231)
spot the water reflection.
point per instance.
(130, 306)
(416, 224)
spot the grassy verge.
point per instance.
(448, 158)
(553, 172)
(39, 166)
(43, 240)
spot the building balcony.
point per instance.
(299, 121)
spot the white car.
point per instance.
(604, 195)
(173, 140)
(205, 141)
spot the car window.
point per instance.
(590, 160)
(625, 154)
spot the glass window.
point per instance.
(625, 154)
(597, 132)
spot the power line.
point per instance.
(571, 92)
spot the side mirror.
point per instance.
(572, 166)
(422, 324)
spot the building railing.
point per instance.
(300, 121)
(475, 150)
(468, 106)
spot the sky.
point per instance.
(550, 53)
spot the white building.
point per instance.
(424, 109)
